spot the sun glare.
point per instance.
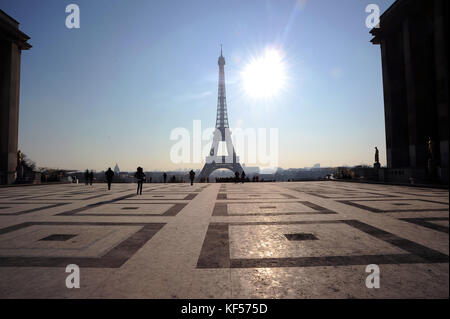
(263, 77)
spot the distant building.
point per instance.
(250, 170)
(266, 177)
(116, 169)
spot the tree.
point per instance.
(27, 163)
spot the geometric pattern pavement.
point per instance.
(253, 240)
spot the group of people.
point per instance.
(173, 179)
(236, 180)
(139, 175)
(88, 177)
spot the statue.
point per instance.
(19, 159)
(430, 144)
(19, 168)
(377, 158)
(431, 164)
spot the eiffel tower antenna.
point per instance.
(222, 132)
(222, 114)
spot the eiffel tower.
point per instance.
(221, 134)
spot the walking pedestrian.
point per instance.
(192, 176)
(109, 177)
(140, 176)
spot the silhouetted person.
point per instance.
(140, 176)
(165, 177)
(109, 177)
(91, 177)
(243, 177)
(236, 177)
(86, 177)
(192, 176)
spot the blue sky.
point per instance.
(113, 90)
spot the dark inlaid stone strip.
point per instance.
(115, 258)
(317, 207)
(426, 253)
(224, 196)
(416, 210)
(346, 196)
(174, 210)
(77, 210)
(215, 252)
(190, 196)
(295, 222)
(383, 195)
(14, 227)
(399, 199)
(300, 236)
(221, 196)
(129, 247)
(425, 222)
(58, 237)
(433, 194)
(376, 210)
(221, 209)
(283, 214)
(95, 196)
(58, 196)
(289, 196)
(325, 261)
(32, 210)
(316, 194)
(368, 208)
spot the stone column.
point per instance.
(387, 102)
(410, 93)
(441, 62)
(12, 42)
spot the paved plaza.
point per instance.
(253, 240)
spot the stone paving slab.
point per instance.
(252, 240)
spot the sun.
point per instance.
(265, 76)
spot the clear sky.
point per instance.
(113, 90)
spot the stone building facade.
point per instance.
(413, 38)
(12, 42)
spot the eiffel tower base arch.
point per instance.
(211, 167)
